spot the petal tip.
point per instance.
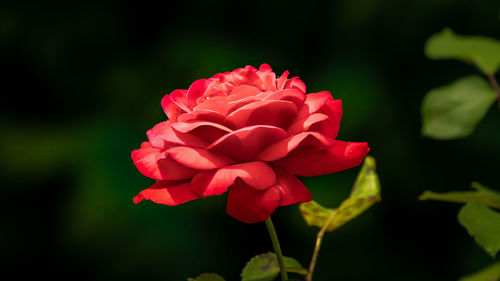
(137, 199)
(265, 67)
(357, 150)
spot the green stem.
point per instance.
(277, 249)
(319, 239)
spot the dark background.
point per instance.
(82, 82)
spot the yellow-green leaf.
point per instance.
(265, 267)
(483, 224)
(482, 194)
(490, 273)
(365, 192)
(481, 51)
(207, 277)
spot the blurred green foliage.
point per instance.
(483, 224)
(476, 216)
(492, 272)
(480, 51)
(83, 82)
(207, 277)
(453, 111)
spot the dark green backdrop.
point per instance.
(83, 82)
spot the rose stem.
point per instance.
(319, 239)
(277, 249)
(494, 84)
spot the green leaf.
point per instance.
(265, 267)
(454, 110)
(490, 273)
(207, 277)
(483, 224)
(365, 192)
(482, 194)
(293, 266)
(481, 51)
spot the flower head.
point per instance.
(248, 133)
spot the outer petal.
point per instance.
(332, 108)
(291, 189)
(168, 193)
(146, 160)
(247, 76)
(321, 102)
(155, 164)
(283, 147)
(258, 175)
(280, 82)
(244, 144)
(162, 134)
(249, 205)
(269, 112)
(179, 98)
(198, 158)
(314, 102)
(170, 108)
(310, 161)
(265, 68)
(296, 83)
(268, 77)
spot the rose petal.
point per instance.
(265, 68)
(324, 103)
(167, 193)
(314, 102)
(269, 112)
(146, 160)
(268, 77)
(280, 83)
(195, 91)
(291, 189)
(208, 131)
(333, 109)
(283, 147)
(243, 91)
(186, 127)
(258, 175)
(243, 144)
(162, 134)
(310, 161)
(153, 163)
(296, 83)
(198, 158)
(304, 124)
(250, 205)
(202, 114)
(170, 108)
(240, 96)
(247, 76)
(292, 95)
(179, 98)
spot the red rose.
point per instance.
(248, 132)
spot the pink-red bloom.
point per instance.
(248, 133)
